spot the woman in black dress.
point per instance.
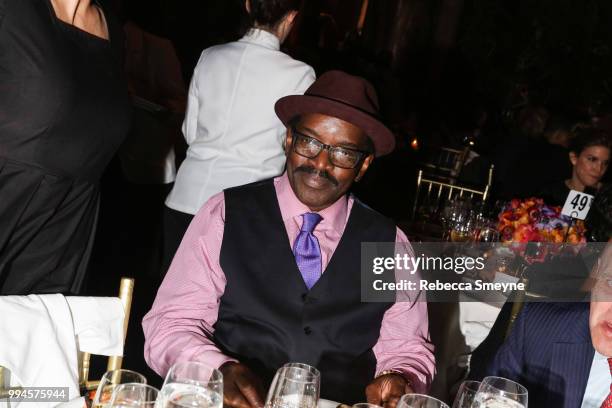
(64, 111)
(589, 156)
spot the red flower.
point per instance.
(526, 233)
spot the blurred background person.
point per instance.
(589, 154)
(64, 111)
(233, 134)
(599, 219)
(515, 144)
(153, 147)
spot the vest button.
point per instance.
(304, 297)
(307, 330)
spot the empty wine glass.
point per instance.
(295, 385)
(134, 395)
(465, 395)
(498, 392)
(194, 385)
(420, 401)
(111, 380)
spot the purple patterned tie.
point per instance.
(307, 251)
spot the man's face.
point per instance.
(600, 321)
(316, 181)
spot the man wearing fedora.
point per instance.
(269, 273)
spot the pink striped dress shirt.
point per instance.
(180, 324)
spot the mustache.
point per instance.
(315, 172)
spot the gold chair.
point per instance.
(519, 301)
(126, 290)
(445, 164)
(435, 191)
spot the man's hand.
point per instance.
(387, 389)
(241, 388)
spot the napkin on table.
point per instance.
(37, 344)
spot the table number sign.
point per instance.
(577, 204)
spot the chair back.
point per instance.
(435, 192)
(445, 163)
(126, 290)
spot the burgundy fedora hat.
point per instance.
(343, 96)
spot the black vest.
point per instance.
(268, 317)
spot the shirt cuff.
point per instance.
(215, 359)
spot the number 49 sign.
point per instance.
(577, 205)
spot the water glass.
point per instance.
(295, 385)
(465, 395)
(192, 385)
(498, 392)
(134, 395)
(111, 380)
(420, 401)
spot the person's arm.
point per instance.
(179, 327)
(180, 324)
(190, 125)
(403, 350)
(168, 76)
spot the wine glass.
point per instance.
(192, 384)
(462, 229)
(134, 395)
(420, 401)
(498, 392)
(111, 380)
(465, 395)
(452, 212)
(295, 385)
(487, 234)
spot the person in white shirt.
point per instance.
(233, 134)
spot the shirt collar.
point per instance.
(261, 37)
(334, 216)
(600, 356)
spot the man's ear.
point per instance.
(364, 166)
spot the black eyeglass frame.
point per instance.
(329, 148)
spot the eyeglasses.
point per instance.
(310, 148)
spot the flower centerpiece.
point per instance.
(535, 231)
(531, 220)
